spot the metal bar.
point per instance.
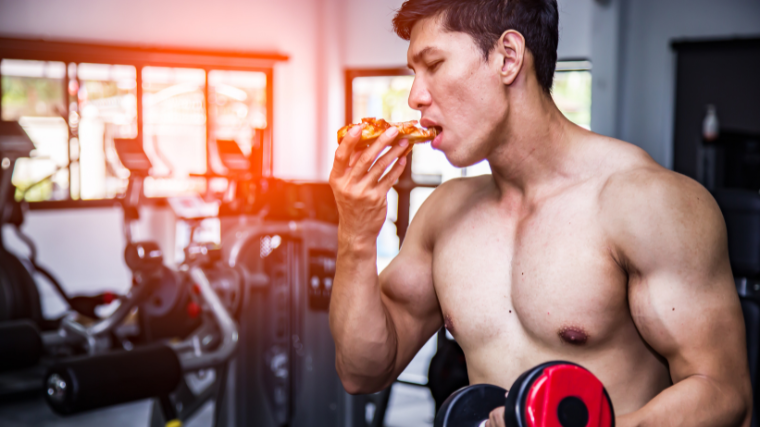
(20, 48)
(208, 134)
(221, 396)
(412, 383)
(1, 89)
(349, 97)
(103, 326)
(139, 88)
(404, 189)
(227, 327)
(67, 103)
(268, 143)
(381, 407)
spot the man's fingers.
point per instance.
(354, 157)
(368, 156)
(496, 418)
(377, 170)
(346, 148)
(392, 176)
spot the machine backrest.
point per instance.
(132, 155)
(14, 142)
(232, 156)
(741, 210)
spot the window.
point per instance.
(74, 99)
(103, 106)
(34, 94)
(385, 93)
(572, 91)
(174, 129)
(238, 109)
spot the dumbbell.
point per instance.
(553, 394)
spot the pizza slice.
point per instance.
(373, 128)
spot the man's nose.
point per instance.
(419, 97)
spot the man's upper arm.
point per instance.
(669, 235)
(407, 287)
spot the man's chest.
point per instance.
(549, 277)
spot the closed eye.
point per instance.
(435, 65)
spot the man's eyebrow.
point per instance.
(418, 56)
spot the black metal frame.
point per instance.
(137, 56)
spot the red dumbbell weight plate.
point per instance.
(559, 394)
(567, 396)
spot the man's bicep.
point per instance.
(409, 296)
(697, 327)
(681, 292)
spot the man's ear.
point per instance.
(510, 50)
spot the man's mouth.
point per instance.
(438, 138)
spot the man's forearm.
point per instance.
(365, 340)
(694, 401)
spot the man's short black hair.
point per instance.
(487, 20)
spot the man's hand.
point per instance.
(496, 418)
(361, 189)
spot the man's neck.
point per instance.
(534, 149)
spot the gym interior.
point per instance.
(168, 234)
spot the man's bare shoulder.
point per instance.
(641, 201)
(639, 184)
(449, 201)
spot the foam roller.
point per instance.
(91, 382)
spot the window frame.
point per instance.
(139, 57)
(406, 182)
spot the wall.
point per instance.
(84, 248)
(372, 42)
(634, 41)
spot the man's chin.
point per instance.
(459, 161)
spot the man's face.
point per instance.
(456, 90)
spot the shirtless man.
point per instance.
(578, 247)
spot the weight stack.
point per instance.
(284, 372)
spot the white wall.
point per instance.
(84, 248)
(643, 104)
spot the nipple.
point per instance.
(573, 335)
